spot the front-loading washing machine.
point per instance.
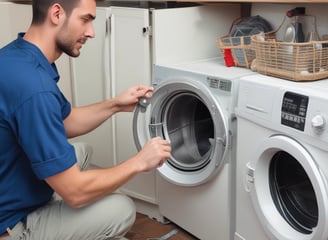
(282, 159)
(192, 107)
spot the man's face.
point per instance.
(77, 28)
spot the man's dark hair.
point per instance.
(41, 7)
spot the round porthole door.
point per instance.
(288, 190)
(185, 113)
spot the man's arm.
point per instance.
(79, 188)
(84, 119)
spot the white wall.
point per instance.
(16, 18)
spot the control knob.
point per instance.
(318, 122)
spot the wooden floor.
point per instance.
(148, 229)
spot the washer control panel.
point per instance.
(294, 109)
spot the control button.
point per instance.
(318, 122)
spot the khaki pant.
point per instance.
(108, 218)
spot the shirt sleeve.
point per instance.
(42, 135)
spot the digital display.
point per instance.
(294, 109)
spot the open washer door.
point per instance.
(185, 113)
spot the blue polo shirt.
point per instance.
(33, 142)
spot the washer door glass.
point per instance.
(293, 193)
(187, 114)
(288, 190)
(190, 129)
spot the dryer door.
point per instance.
(288, 190)
(185, 113)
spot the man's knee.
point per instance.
(83, 152)
(120, 216)
(125, 209)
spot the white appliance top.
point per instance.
(298, 109)
(316, 87)
(212, 67)
(222, 81)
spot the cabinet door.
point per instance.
(92, 83)
(130, 66)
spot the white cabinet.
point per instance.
(106, 67)
(108, 64)
(130, 49)
(91, 83)
(15, 18)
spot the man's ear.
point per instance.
(56, 13)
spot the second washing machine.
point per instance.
(192, 107)
(282, 160)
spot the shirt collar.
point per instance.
(39, 56)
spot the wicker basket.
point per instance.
(241, 49)
(305, 61)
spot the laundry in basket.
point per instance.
(236, 46)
